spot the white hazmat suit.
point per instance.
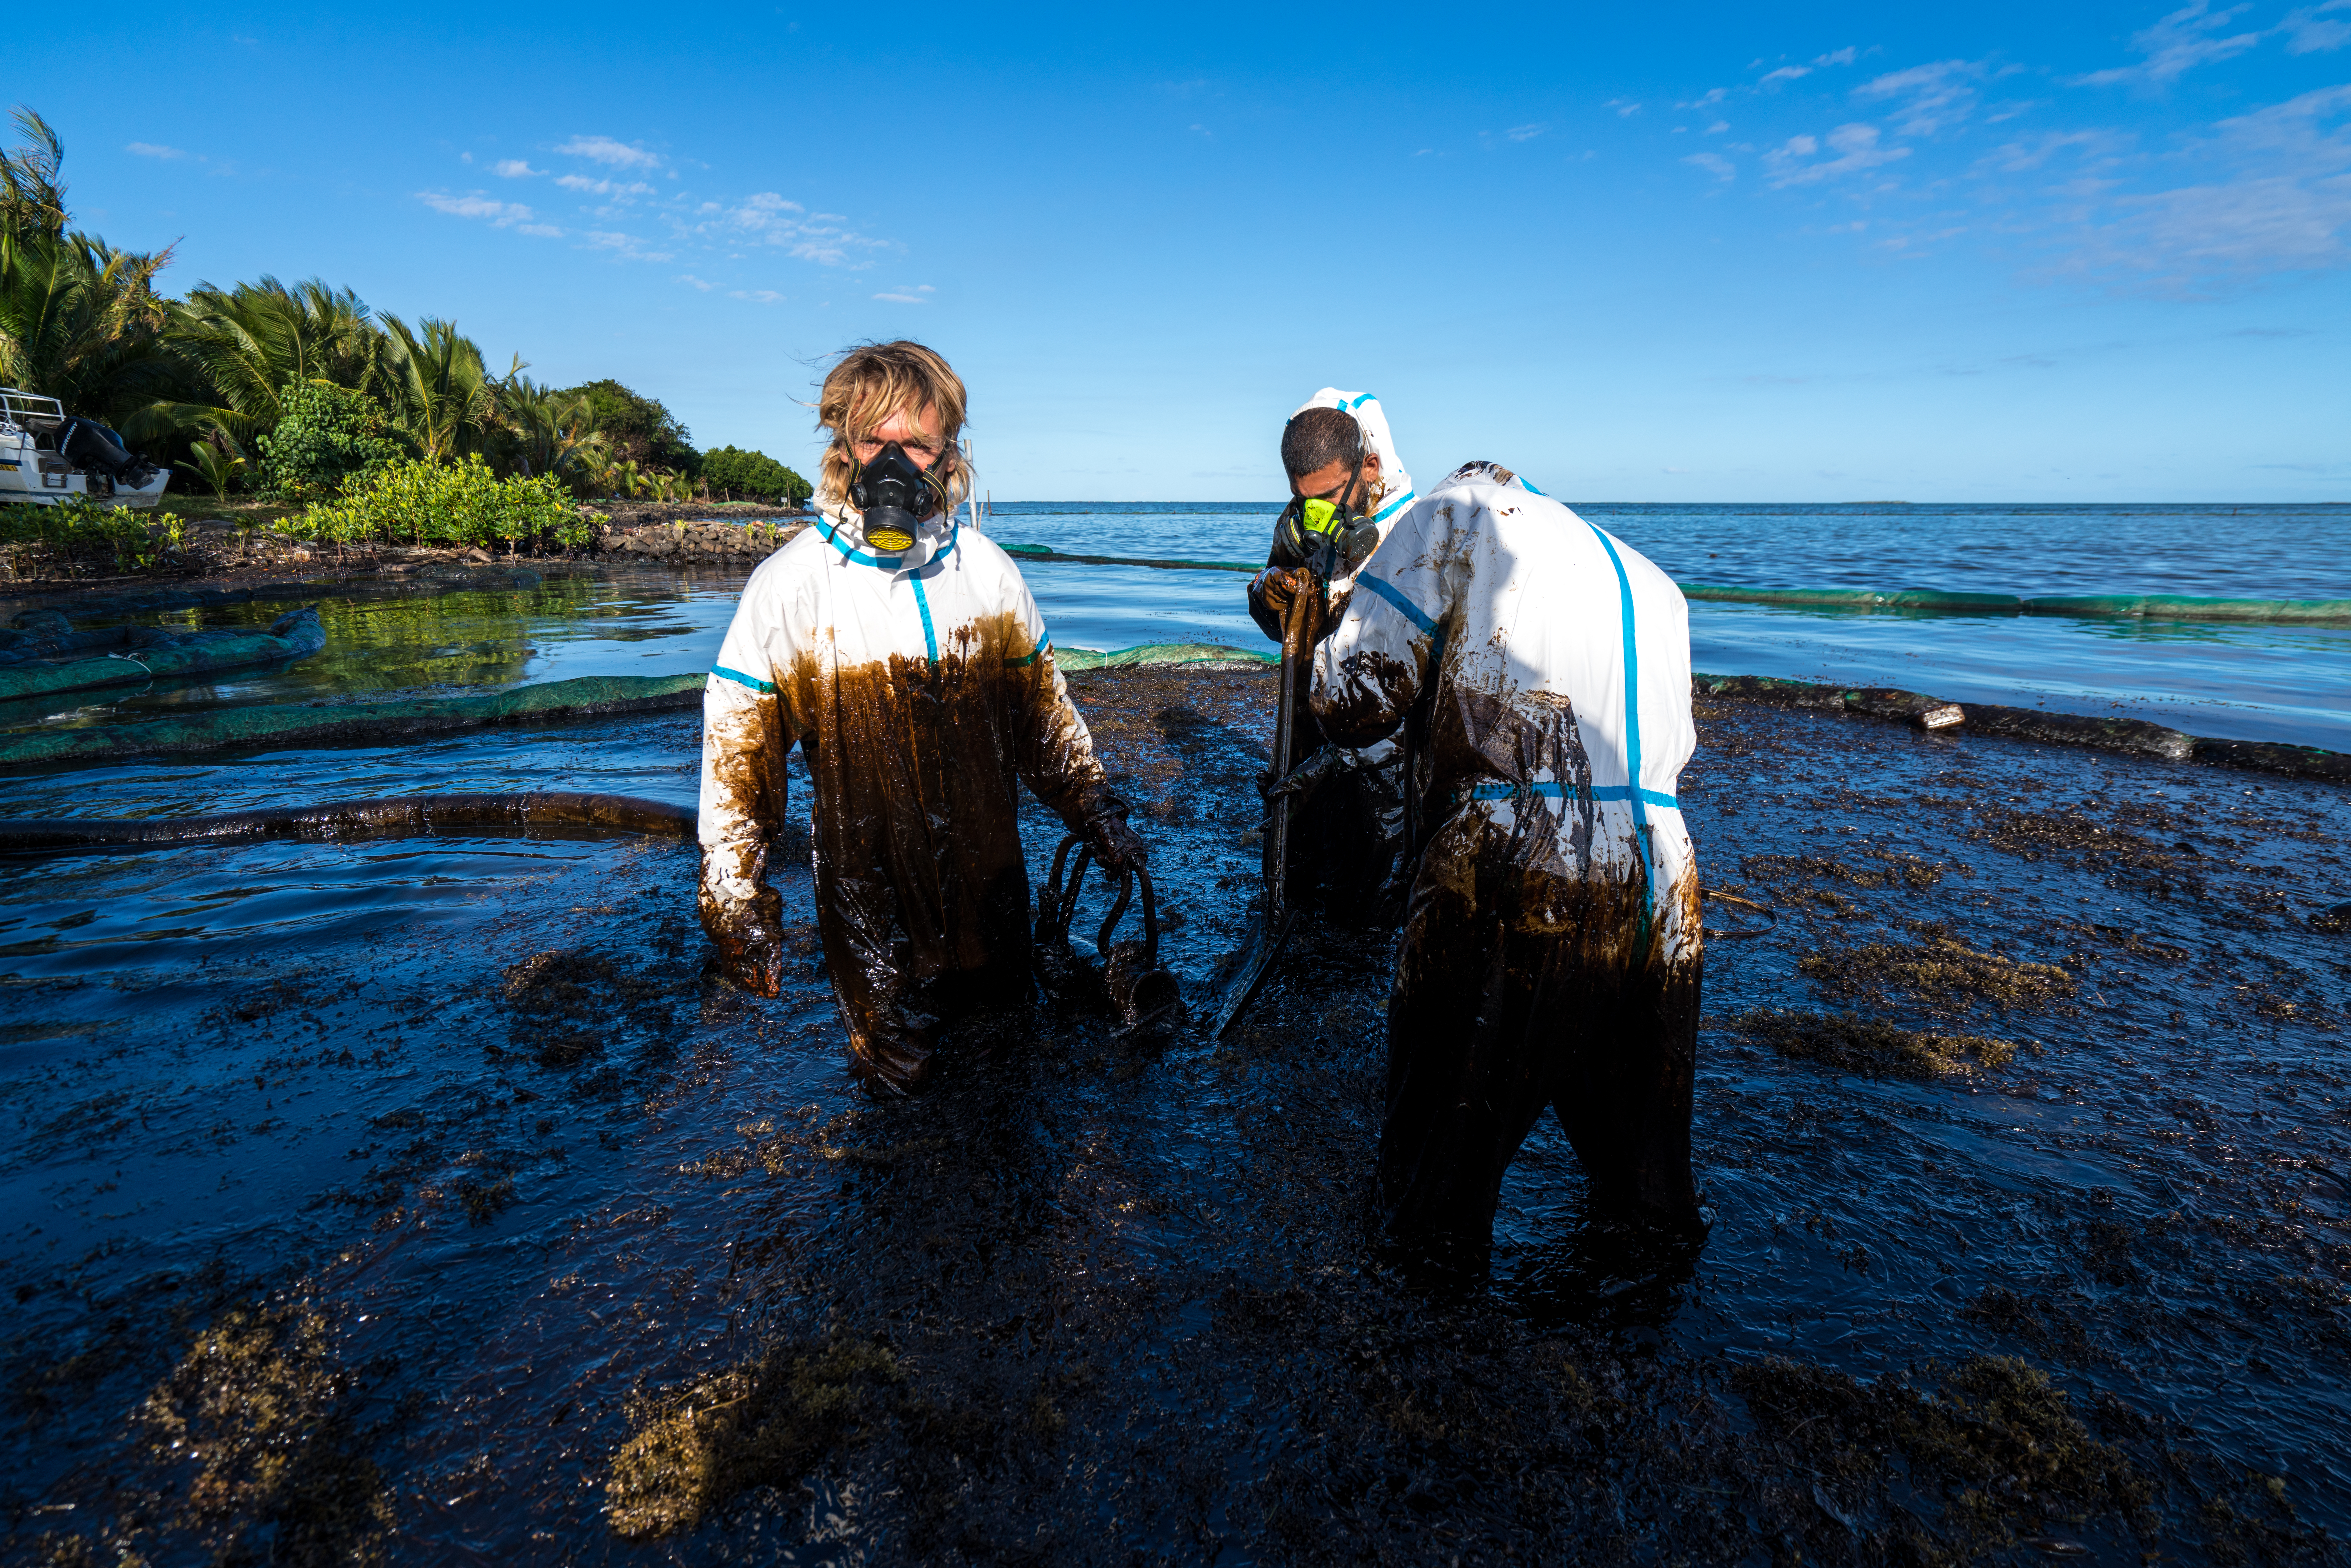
(1550, 953)
(920, 686)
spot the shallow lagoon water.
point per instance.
(470, 1106)
(2227, 681)
(485, 1161)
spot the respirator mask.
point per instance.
(1330, 536)
(894, 495)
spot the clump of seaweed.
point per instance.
(1870, 1047)
(567, 1004)
(1911, 871)
(1997, 1441)
(263, 1409)
(1941, 969)
(761, 1425)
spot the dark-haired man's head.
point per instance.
(1320, 451)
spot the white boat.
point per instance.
(48, 457)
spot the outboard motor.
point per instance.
(87, 444)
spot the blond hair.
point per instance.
(868, 385)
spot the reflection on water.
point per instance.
(383, 642)
(2233, 681)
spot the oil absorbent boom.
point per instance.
(1551, 948)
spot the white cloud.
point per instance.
(1843, 57)
(2283, 205)
(604, 187)
(627, 246)
(1717, 127)
(153, 150)
(2312, 36)
(905, 296)
(1785, 73)
(1713, 163)
(1934, 97)
(1623, 106)
(693, 282)
(501, 214)
(1708, 99)
(545, 231)
(2176, 45)
(605, 150)
(1856, 146)
(757, 296)
(2096, 149)
(515, 169)
(1526, 132)
(767, 218)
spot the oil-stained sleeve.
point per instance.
(747, 732)
(1370, 671)
(1053, 749)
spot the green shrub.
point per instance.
(325, 434)
(744, 473)
(79, 531)
(426, 503)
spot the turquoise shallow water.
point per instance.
(2237, 681)
(2230, 681)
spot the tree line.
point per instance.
(293, 391)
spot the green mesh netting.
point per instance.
(343, 723)
(1189, 655)
(2149, 606)
(39, 665)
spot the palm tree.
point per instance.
(240, 346)
(545, 431)
(79, 320)
(439, 390)
(32, 198)
(215, 466)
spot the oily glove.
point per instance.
(1264, 609)
(1116, 846)
(748, 936)
(1269, 595)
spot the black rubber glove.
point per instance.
(1116, 846)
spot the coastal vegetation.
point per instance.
(300, 394)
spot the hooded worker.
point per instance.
(1347, 489)
(1551, 955)
(904, 656)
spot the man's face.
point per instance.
(1325, 483)
(906, 429)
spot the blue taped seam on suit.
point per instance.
(832, 536)
(1385, 513)
(1632, 709)
(1043, 647)
(1412, 612)
(1555, 790)
(740, 679)
(922, 603)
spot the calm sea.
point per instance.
(2238, 682)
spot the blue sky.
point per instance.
(2011, 251)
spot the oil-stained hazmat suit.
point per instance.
(1551, 955)
(1350, 839)
(919, 686)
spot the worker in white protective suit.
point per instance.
(1550, 954)
(904, 656)
(1347, 489)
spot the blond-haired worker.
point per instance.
(903, 654)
